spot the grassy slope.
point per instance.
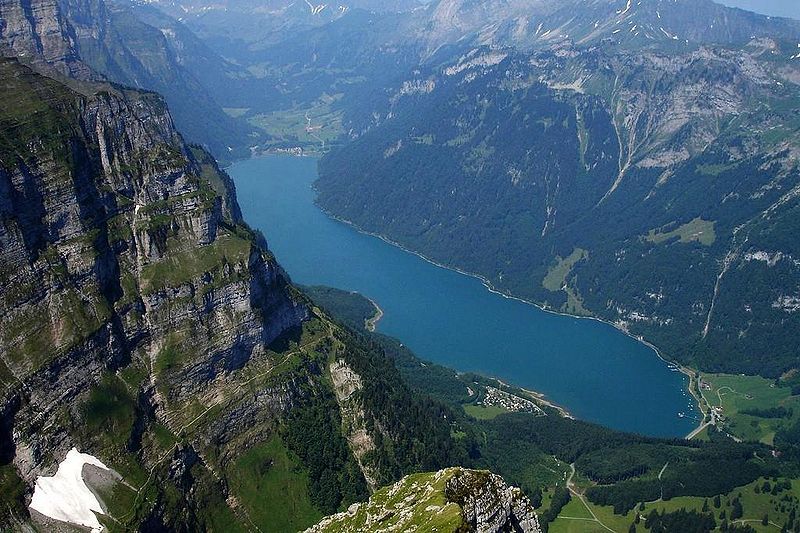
(271, 483)
(416, 503)
(558, 279)
(698, 230)
(483, 412)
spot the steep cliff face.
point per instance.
(39, 32)
(117, 252)
(452, 500)
(145, 324)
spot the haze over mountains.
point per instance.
(632, 161)
(777, 8)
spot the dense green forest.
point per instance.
(351, 308)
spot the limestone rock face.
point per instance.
(454, 499)
(488, 504)
(115, 248)
(34, 31)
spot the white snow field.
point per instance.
(65, 496)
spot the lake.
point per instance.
(590, 368)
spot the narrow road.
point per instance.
(583, 501)
(662, 470)
(699, 430)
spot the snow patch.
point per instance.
(316, 10)
(668, 34)
(771, 259)
(66, 497)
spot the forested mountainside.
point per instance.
(623, 174)
(108, 41)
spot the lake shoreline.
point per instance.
(688, 372)
(530, 348)
(371, 324)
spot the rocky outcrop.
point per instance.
(346, 385)
(451, 500)
(488, 504)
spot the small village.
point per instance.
(510, 402)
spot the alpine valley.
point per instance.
(636, 162)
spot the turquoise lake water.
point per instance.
(596, 372)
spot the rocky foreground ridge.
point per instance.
(451, 500)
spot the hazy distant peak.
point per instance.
(630, 22)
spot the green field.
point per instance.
(698, 230)
(236, 112)
(483, 412)
(314, 126)
(575, 517)
(557, 275)
(557, 280)
(736, 394)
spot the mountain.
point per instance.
(258, 24)
(151, 341)
(144, 323)
(153, 53)
(160, 372)
(537, 23)
(156, 360)
(630, 176)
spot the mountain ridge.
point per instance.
(589, 151)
